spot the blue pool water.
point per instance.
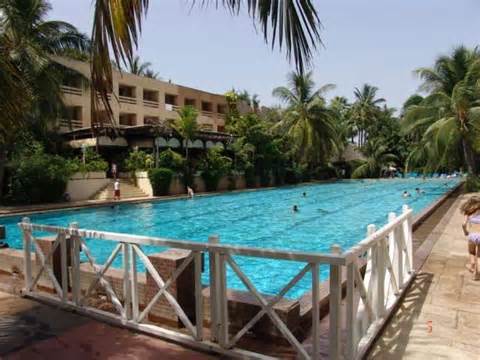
(330, 213)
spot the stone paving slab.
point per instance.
(440, 315)
(30, 330)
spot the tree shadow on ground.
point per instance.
(393, 342)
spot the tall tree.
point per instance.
(379, 159)
(31, 78)
(137, 67)
(307, 119)
(186, 125)
(365, 110)
(449, 117)
(290, 24)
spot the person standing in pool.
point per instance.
(116, 190)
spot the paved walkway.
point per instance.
(31, 330)
(440, 316)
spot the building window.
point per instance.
(170, 99)
(206, 106)
(126, 119)
(72, 117)
(222, 108)
(126, 91)
(150, 98)
(150, 95)
(190, 102)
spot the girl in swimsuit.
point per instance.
(471, 229)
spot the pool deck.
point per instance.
(31, 330)
(440, 315)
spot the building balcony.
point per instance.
(171, 107)
(70, 123)
(71, 90)
(127, 100)
(150, 103)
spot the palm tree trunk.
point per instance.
(469, 157)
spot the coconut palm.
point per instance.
(290, 24)
(307, 119)
(186, 125)
(377, 162)
(138, 67)
(449, 117)
(365, 110)
(149, 73)
(30, 75)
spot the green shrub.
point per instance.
(472, 184)
(138, 160)
(39, 178)
(171, 160)
(93, 162)
(160, 178)
(213, 166)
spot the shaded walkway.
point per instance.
(440, 315)
(31, 330)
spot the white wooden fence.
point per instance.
(369, 300)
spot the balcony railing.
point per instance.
(150, 103)
(127, 100)
(171, 107)
(70, 90)
(71, 123)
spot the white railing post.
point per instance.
(75, 265)
(198, 296)
(398, 262)
(335, 306)
(63, 264)
(134, 283)
(27, 268)
(370, 279)
(408, 238)
(315, 310)
(127, 302)
(214, 307)
(223, 300)
(351, 313)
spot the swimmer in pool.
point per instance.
(304, 194)
(295, 208)
(406, 194)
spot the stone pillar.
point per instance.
(46, 244)
(182, 289)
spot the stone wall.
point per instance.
(84, 186)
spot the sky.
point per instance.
(379, 42)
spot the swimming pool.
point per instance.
(330, 213)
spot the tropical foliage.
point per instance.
(307, 120)
(30, 77)
(446, 123)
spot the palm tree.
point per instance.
(293, 25)
(365, 110)
(307, 119)
(449, 117)
(137, 67)
(149, 73)
(186, 125)
(30, 74)
(378, 160)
